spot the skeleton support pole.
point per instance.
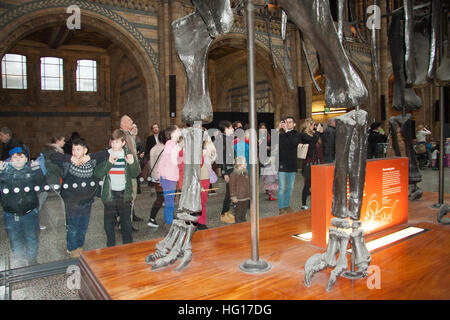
(441, 148)
(253, 265)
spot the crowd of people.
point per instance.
(115, 174)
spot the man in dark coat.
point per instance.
(288, 142)
(8, 142)
(151, 140)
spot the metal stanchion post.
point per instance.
(253, 265)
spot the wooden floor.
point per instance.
(416, 268)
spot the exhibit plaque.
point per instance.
(385, 201)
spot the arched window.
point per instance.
(14, 71)
(86, 75)
(52, 73)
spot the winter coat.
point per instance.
(25, 181)
(288, 142)
(228, 155)
(241, 149)
(82, 185)
(239, 186)
(168, 164)
(312, 155)
(131, 172)
(155, 160)
(373, 140)
(54, 172)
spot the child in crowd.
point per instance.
(19, 183)
(269, 175)
(242, 145)
(79, 187)
(169, 171)
(240, 188)
(117, 191)
(208, 157)
(155, 160)
(227, 161)
(435, 156)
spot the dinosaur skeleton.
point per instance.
(177, 243)
(193, 35)
(351, 139)
(413, 53)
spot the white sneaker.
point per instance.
(152, 223)
(304, 208)
(42, 227)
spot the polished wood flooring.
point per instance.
(416, 268)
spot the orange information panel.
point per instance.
(385, 201)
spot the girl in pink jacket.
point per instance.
(168, 170)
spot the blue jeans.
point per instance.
(285, 186)
(23, 235)
(77, 221)
(169, 188)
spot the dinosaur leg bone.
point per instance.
(342, 262)
(177, 237)
(186, 251)
(362, 255)
(313, 265)
(344, 87)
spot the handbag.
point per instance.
(421, 148)
(156, 162)
(212, 176)
(302, 150)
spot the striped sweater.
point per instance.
(117, 172)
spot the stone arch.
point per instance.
(277, 77)
(21, 21)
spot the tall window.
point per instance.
(52, 73)
(86, 75)
(14, 71)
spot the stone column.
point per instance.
(70, 85)
(34, 81)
